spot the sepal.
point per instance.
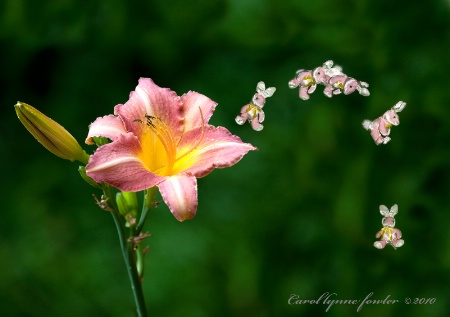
(90, 181)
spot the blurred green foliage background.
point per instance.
(298, 216)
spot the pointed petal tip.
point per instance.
(179, 192)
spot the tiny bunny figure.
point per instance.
(253, 111)
(307, 80)
(381, 127)
(342, 84)
(388, 233)
(332, 77)
(337, 82)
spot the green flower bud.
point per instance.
(127, 203)
(121, 204)
(132, 202)
(50, 134)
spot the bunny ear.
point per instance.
(328, 64)
(363, 91)
(260, 87)
(399, 106)
(363, 84)
(384, 210)
(300, 71)
(269, 92)
(394, 210)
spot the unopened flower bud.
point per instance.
(127, 203)
(50, 134)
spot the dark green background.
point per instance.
(296, 217)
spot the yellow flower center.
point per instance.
(160, 149)
(158, 146)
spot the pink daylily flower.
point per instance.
(161, 139)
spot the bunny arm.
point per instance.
(398, 233)
(312, 88)
(379, 233)
(246, 108)
(261, 116)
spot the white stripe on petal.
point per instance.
(113, 162)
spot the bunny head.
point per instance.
(388, 215)
(262, 93)
(391, 117)
(350, 86)
(319, 75)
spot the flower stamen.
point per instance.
(159, 128)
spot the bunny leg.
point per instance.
(241, 118)
(303, 93)
(328, 91)
(376, 136)
(398, 243)
(312, 88)
(380, 244)
(256, 125)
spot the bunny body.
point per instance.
(253, 111)
(388, 234)
(380, 128)
(307, 80)
(343, 84)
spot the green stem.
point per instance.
(149, 204)
(84, 158)
(128, 253)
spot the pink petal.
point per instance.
(218, 148)
(197, 106)
(180, 194)
(107, 126)
(150, 99)
(117, 164)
